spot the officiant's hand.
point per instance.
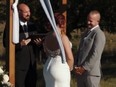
(25, 42)
(38, 41)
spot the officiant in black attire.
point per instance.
(25, 60)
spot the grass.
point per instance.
(108, 59)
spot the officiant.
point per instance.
(25, 60)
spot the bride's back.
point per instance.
(51, 42)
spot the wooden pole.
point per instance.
(64, 2)
(11, 47)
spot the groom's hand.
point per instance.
(79, 70)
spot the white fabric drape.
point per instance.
(46, 5)
(15, 32)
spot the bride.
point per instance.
(56, 73)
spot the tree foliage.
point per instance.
(2, 10)
(77, 11)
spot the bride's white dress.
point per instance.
(56, 73)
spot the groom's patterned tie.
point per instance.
(88, 32)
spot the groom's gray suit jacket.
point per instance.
(90, 51)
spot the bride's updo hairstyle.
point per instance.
(60, 21)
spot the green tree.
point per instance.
(77, 11)
(2, 10)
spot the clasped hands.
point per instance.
(79, 70)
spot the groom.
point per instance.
(87, 63)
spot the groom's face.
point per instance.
(92, 21)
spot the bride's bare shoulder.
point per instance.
(64, 37)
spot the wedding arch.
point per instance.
(14, 35)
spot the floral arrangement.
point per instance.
(4, 78)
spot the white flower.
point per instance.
(5, 78)
(1, 71)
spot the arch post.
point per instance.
(11, 45)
